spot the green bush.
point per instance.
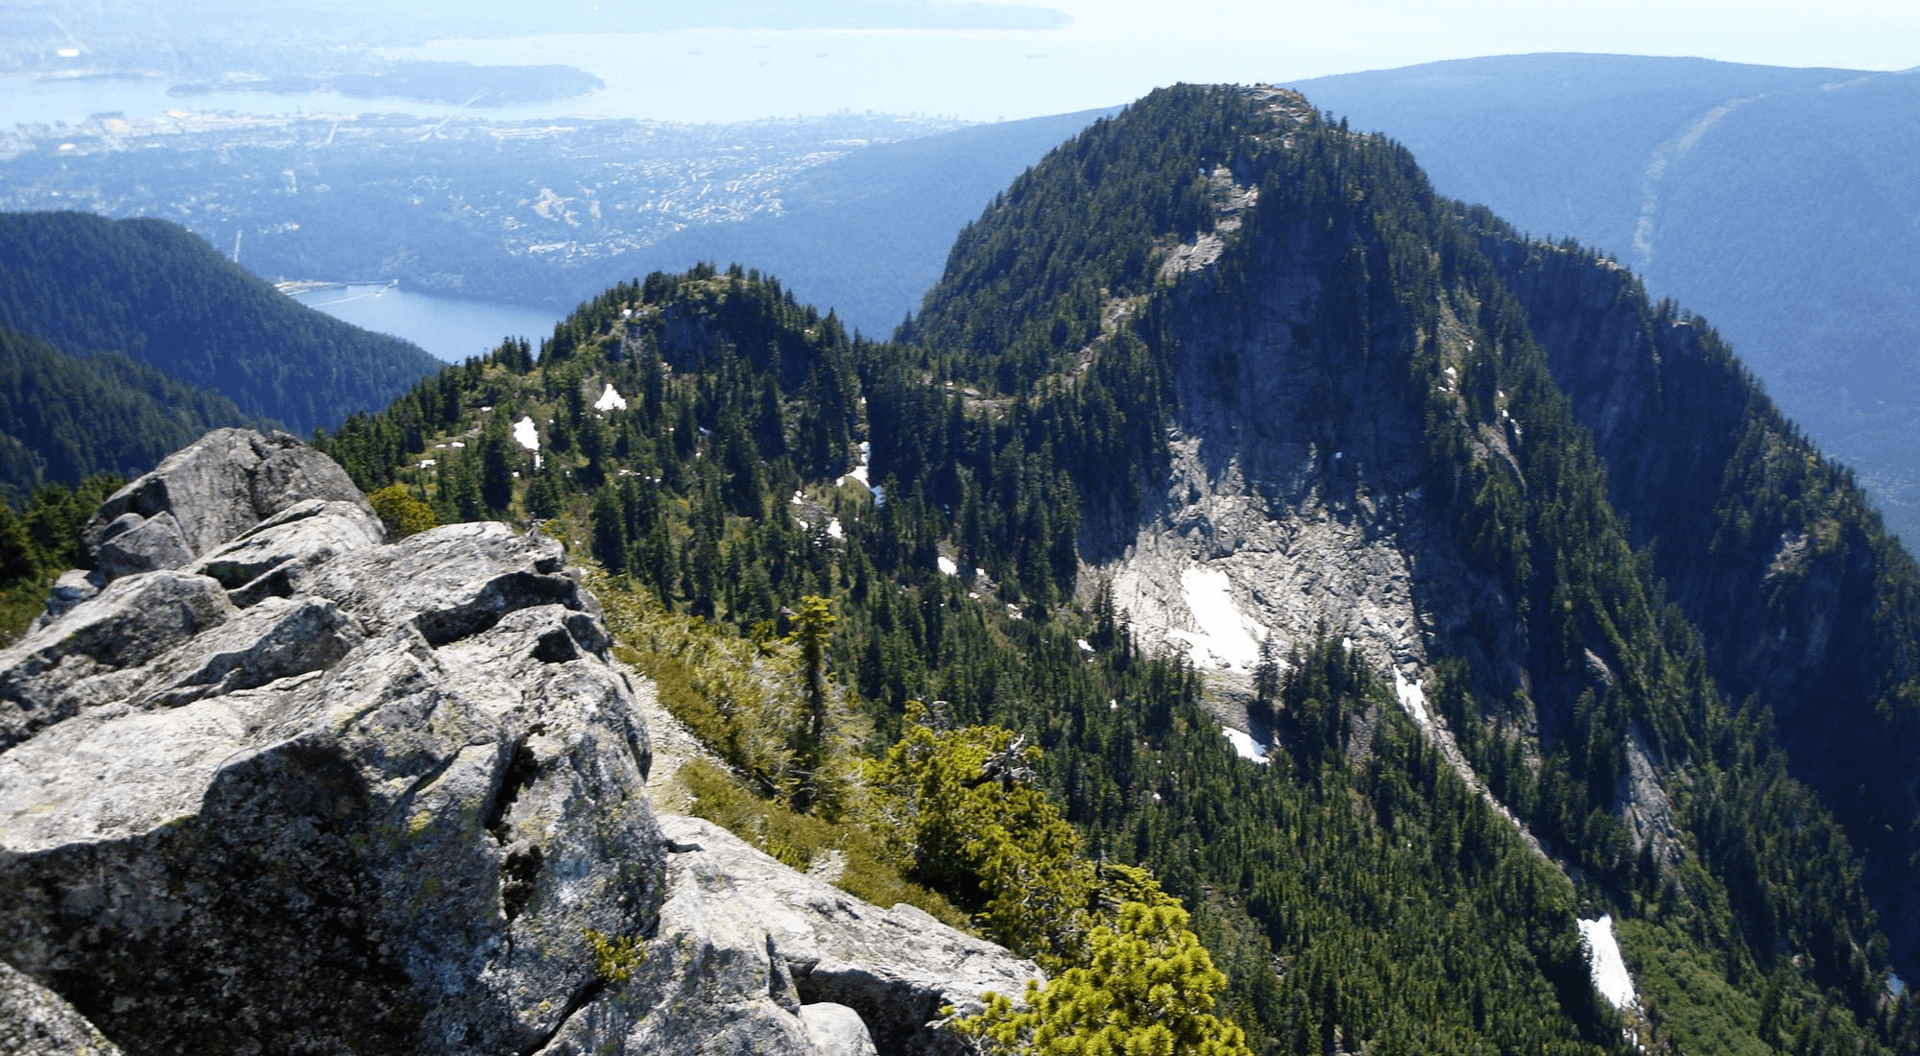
(401, 512)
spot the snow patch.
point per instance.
(859, 473)
(1609, 969)
(528, 437)
(610, 400)
(834, 530)
(946, 565)
(1412, 698)
(1244, 745)
(1222, 639)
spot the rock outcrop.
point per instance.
(773, 944)
(271, 784)
(35, 1021)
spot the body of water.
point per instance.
(693, 76)
(26, 99)
(448, 327)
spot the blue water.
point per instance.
(448, 327)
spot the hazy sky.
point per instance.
(1112, 52)
(1309, 39)
(1104, 53)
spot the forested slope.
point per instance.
(64, 418)
(1215, 320)
(157, 294)
(1805, 602)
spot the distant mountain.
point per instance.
(156, 293)
(868, 234)
(1780, 203)
(64, 418)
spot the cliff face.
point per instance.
(268, 783)
(1293, 500)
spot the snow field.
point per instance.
(1245, 746)
(1222, 639)
(610, 400)
(1412, 698)
(1609, 969)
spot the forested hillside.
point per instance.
(1806, 604)
(64, 418)
(1197, 337)
(153, 292)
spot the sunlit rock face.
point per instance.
(269, 783)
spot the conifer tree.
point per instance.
(812, 629)
(1148, 990)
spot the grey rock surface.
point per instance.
(836, 1030)
(785, 962)
(284, 787)
(374, 804)
(35, 1021)
(206, 494)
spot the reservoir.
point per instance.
(450, 328)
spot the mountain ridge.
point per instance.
(1191, 273)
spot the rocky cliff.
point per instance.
(269, 783)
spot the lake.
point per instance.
(448, 327)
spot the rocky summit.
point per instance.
(270, 783)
